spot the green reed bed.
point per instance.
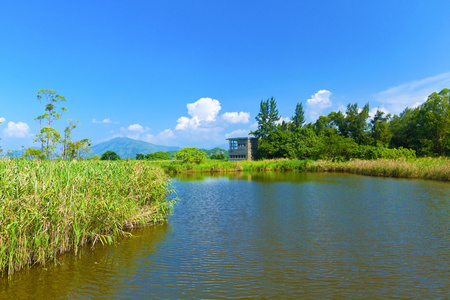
(428, 168)
(50, 207)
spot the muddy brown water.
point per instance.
(269, 235)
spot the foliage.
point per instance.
(219, 156)
(50, 207)
(158, 155)
(109, 155)
(48, 136)
(33, 153)
(421, 131)
(266, 118)
(299, 117)
(191, 155)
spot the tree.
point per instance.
(109, 155)
(380, 132)
(191, 154)
(158, 155)
(433, 121)
(48, 136)
(51, 136)
(33, 153)
(266, 118)
(299, 117)
(139, 156)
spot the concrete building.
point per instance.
(242, 148)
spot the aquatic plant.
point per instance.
(50, 207)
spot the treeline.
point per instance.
(215, 154)
(421, 131)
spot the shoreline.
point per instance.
(422, 168)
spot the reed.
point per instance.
(50, 207)
(428, 168)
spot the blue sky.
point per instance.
(192, 73)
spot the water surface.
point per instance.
(270, 235)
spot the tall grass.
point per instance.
(50, 207)
(429, 168)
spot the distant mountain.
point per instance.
(128, 148)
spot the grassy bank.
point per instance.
(429, 168)
(50, 207)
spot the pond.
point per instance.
(269, 235)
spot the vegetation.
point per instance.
(191, 155)
(339, 136)
(159, 155)
(109, 155)
(428, 168)
(49, 207)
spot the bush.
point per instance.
(110, 155)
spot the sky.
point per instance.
(193, 73)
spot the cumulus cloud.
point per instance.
(17, 130)
(412, 94)
(164, 137)
(201, 111)
(318, 103)
(104, 121)
(2, 120)
(205, 109)
(137, 128)
(186, 123)
(236, 117)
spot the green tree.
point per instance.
(48, 136)
(299, 117)
(380, 131)
(109, 155)
(266, 118)
(139, 156)
(434, 116)
(191, 154)
(158, 155)
(33, 153)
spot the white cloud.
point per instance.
(205, 109)
(237, 133)
(186, 123)
(286, 119)
(137, 128)
(2, 120)
(318, 103)
(236, 117)
(104, 121)
(17, 130)
(413, 93)
(164, 137)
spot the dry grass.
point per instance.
(428, 168)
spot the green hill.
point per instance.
(217, 151)
(128, 148)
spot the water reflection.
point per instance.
(271, 235)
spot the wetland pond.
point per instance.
(269, 235)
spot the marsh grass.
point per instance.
(50, 207)
(429, 168)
